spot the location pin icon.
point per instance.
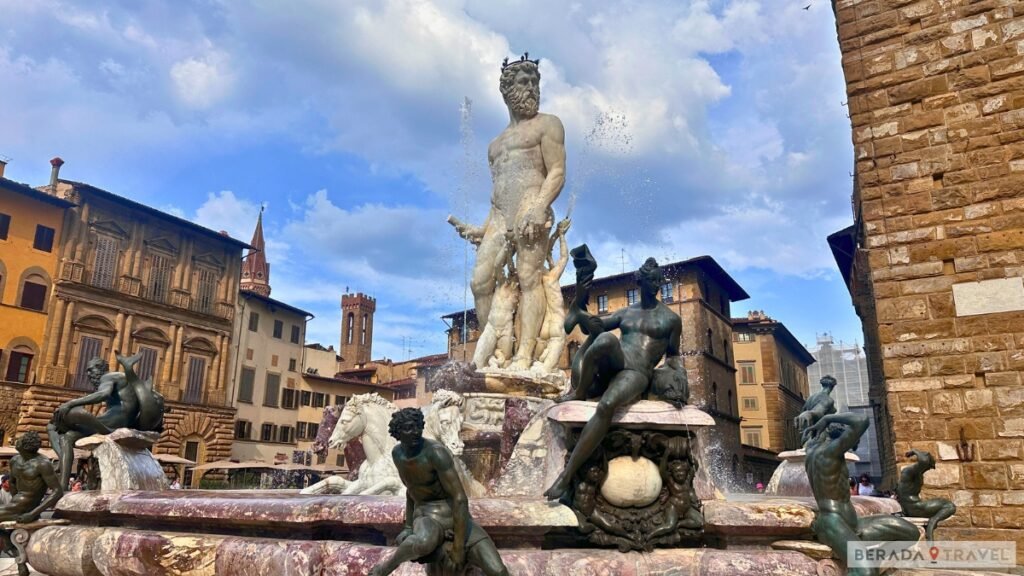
(933, 552)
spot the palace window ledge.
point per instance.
(180, 301)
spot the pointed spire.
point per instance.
(255, 269)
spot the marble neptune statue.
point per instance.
(527, 162)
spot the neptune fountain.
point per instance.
(597, 472)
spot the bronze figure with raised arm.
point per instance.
(620, 370)
(836, 523)
(908, 492)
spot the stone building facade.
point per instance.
(701, 292)
(31, 223)
(935, 257)
(134, 279)
(772, 387)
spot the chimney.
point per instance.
(3, 164)
(55, 165)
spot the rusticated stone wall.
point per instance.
(936, 102)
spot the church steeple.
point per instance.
(255, 269)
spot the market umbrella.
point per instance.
(173, 459)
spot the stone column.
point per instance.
(176, 356)
(52, 343)
(65, 336)
(83, 234)
(136, 269)
(165, 375)
(115, 342)
(126, 339)
(69, 235)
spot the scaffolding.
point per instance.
(847, 363)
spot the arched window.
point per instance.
(725, 349)
(33, 292)
(350, 321)
(19, 364)
(714, 396)
(362, 333)
(711, 343)
(728, 407)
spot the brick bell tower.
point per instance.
(356, 329)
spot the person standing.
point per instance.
(5, 490)
(865, 487)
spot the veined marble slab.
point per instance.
(654, 414)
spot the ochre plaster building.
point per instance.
(135, 279)
(268, 368)
(935, 257)
(772, 387)
(31, 223)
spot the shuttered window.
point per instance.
(245, 385)
(196, 377)
(88, 348)
(160, 269)
(147, 364)
(18, 366)
(104, 264)
(273, 391)
(205, 291)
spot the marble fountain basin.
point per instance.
(264, 533)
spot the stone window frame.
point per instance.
(94, 326)
(754, 404)
(350, 322)
(27, 275)
(15, 345)
(154, 338)
(758, 431)
(105, 240)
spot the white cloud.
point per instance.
(201, 83)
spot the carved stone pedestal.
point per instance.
(790, 477)
(492, 424)
(125, 461)
(637, 490)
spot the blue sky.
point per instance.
(700, 127)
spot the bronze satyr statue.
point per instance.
(619, 370)
(131, 403)
(818, 405)
(438, 528)
(836, 522)
(32, 475)
(908, 491)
